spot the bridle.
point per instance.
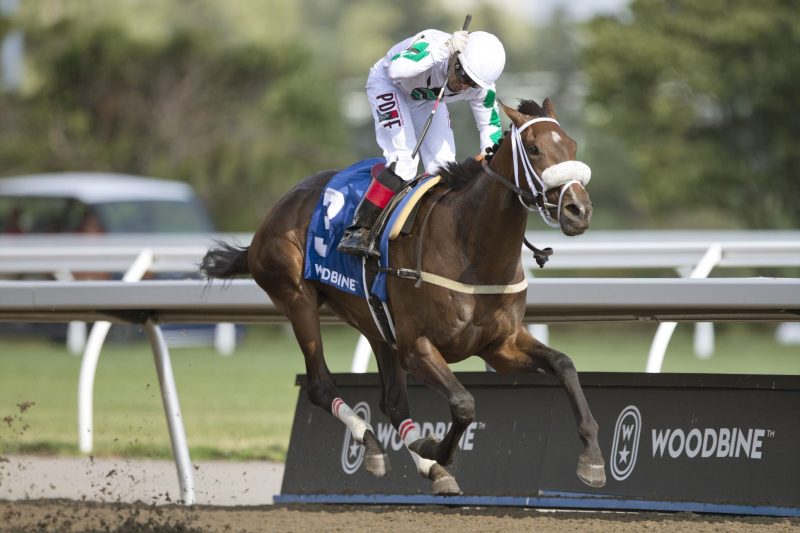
(536, 193)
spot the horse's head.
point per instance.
(542, 158)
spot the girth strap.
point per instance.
(447, 283)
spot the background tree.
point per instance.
(704, 96)
(556, 56)
(241, 120)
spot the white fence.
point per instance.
(693, 254)
(687, 253)
(132, 257)
(596, 250)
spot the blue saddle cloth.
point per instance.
(334, 212)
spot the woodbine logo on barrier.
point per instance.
(666, 438)
(666, 443)
(710, 442)
(626, 442)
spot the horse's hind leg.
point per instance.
(303, 314)
(525, 354)
(394, 404)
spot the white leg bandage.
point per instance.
(409, 433)
(423, 465)
(353, 422)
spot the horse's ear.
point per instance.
(549, 108)
(515, 116)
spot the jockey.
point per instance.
(402, 89)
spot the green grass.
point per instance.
(241, 407)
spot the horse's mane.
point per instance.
(458, 175)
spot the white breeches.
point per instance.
(398, 121)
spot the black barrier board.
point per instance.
(716, 443)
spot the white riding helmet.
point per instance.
(483, 58)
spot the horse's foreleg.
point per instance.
(427, 365)
(322, 391)
(394, 404)
(526, 354)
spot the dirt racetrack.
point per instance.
(71, 516)
(62, 495)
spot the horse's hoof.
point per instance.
(592, 473)
(443, 483)
(375, 460)
(425, 447)
(377, 465)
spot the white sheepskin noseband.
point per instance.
(559, 174)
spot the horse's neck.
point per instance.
(492, 224)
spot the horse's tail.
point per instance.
(225, 261)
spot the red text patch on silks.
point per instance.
(387, 110)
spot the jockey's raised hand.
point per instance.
(457, 42)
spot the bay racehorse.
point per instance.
(470, 228)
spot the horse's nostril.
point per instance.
(575, 210)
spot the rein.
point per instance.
(541, 256)
(521, 193)
(535, 195)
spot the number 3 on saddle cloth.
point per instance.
(334, 212)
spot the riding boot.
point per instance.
(357, 239)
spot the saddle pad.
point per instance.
(334, 212)
(407, 205)
(400, 212)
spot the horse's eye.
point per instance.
(533, 149)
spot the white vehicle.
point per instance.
(91, 202)
(86, 203)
